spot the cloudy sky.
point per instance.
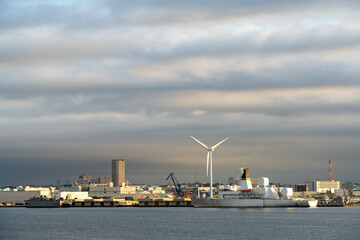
(83, 82)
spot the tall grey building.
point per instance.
(118, 171)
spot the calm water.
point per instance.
(180, 223)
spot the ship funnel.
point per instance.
(246, 174)
(246, 185)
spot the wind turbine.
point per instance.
(209, 160)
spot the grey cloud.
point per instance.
(300, 72)
(278, 42)
(130, 49)
(77, 88)
(100, 14)
(156, 98)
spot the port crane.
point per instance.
(177, 185)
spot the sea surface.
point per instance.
(180, 223)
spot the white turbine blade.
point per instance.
(213, 147)
(207, 163)
(200, 143)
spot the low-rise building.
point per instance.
(106, 191)
(155, 190)
(70, 188)
(104, 180)
(71, 195)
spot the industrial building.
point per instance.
(19, 195)
(327, 186)
(318, 187)
(107, 191)
(71, 195)
(118, 172)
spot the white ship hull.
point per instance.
(252, 203)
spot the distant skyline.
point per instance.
(85, 82)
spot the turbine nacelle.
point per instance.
(209, 150)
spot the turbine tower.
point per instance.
(209, 160)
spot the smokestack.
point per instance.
(246, 174)
(246, 185)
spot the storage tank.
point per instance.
(263, 182)
(287, 192)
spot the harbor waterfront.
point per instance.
(180, 223)
(241, 193)
(179, 120)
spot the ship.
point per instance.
(262, 196)
(42, 202)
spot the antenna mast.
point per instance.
(330, 177)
